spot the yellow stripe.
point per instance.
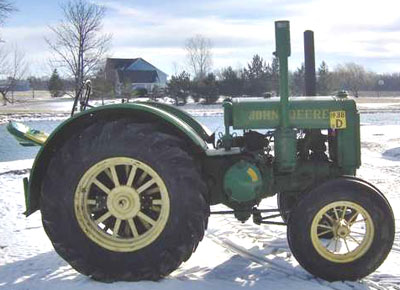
(252, 174)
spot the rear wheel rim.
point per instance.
(351, 234)
(121, 204)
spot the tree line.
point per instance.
(79, 48)
(261, 79)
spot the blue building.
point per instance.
(135, 72)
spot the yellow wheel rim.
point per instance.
(342, 231)
(121, 204)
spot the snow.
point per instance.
(231, 256)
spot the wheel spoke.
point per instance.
(155, 208)
(351, 237)
(153, 190)
(131, 176)
(101, 186)
(329, 218)
(146, 218)
(325, 232)
(91, 202)
(347, 246)
(330, 242)
(126, 169)
(116, 227)
(146, 185)
(133, 227)
(336, 214)
(357, 233)
(141, 178)
(353, 217)
(363, 220)
(344, 212)
(157, 202)
(114, 176)
(320, 226)
(107, 171)
(103, 218)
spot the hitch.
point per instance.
(257, 217)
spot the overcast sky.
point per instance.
(362, 31)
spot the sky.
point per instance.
(361, 31)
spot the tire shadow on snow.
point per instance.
(392, 154)
(269, 268)
(43, 271)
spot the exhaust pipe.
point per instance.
(309, 64)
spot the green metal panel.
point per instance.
(87, 117)
(171, 117)
(349, 148)
(285, 149)
(200, 129)
(282, 38)
(243, 182)
(304, 112)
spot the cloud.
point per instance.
(365, 31)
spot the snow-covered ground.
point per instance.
(231, 256)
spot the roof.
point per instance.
(120, 63)
(138, 76)
(135, 70)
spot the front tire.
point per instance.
(124, 201)
(357, 239)
(286, 201)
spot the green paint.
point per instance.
(243, 182)
(172, 117)
(282, 36)
(304, 113)
(240, 176)
(200, 129)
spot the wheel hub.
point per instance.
(342, 229)
(123, 202)
(351, 229)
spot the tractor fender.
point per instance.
(174, 120)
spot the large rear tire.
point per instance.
(358, 237)
(124, 201)
(286, 201)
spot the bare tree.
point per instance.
(6, 7)
(13, 68)
(351, 76)
(199, 57)
(79, 45)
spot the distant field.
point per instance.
(379, 94)
(30, 95)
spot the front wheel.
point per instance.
(124, 201)
(341, 230)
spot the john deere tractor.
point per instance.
(125, 190)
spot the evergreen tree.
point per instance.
(179, 87)
(56, 85)
(102, 88)
(297, 82)
(230, 83)
(275, 75)
(207, 89)
(257, 77)
(324, 80)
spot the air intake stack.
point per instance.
(285, 137)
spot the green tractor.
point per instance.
(125, 190)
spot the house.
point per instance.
(136, 72)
